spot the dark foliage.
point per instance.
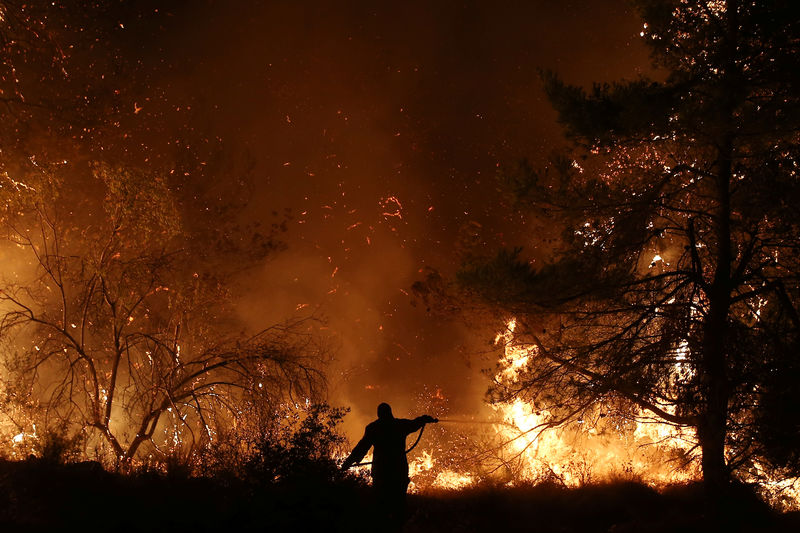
(778, 414)
(298, 453)
(38, 496)
(614, 507)
(672, 282)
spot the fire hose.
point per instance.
(465, 421)
(457, 421)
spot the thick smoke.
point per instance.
(381, 126)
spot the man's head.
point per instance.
(384, 411)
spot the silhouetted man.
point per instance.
(387, 436)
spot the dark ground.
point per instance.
(39, 496)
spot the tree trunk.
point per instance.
(713, 425)
(712, 428)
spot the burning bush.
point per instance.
(295, 442)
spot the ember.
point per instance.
(222, 224)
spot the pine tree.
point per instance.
(674, 287)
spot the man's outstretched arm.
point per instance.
(413, 425)
(358, 452)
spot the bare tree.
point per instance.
(117, 332)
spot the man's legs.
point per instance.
(392, 502)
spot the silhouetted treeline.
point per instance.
(38, 495)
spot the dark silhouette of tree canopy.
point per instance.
(673, 287)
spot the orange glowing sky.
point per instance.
(380, 127)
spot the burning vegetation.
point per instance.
(175, 300)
